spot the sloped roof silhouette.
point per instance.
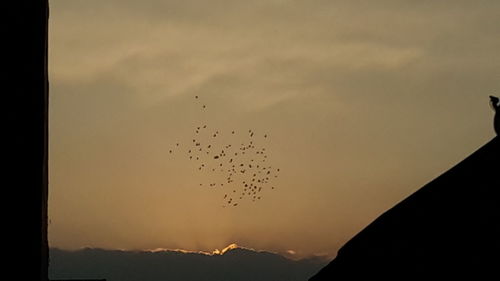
(449, 228)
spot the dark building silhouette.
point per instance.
(449, 229)
(24, 134)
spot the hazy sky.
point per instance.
(364, 102)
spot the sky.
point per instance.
(362, 102)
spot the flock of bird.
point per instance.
(242, 170)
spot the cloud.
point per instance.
(168, 48)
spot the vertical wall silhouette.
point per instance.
(25, 132)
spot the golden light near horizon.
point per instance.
(361, 103)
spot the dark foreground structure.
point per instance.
(77, 280)
(448, 229)
(25, 135)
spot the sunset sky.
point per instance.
(363, 103)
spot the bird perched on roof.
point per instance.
(495, 104)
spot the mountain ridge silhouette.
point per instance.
(449, 228)
(240, 264)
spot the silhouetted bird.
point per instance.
(494, 101)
